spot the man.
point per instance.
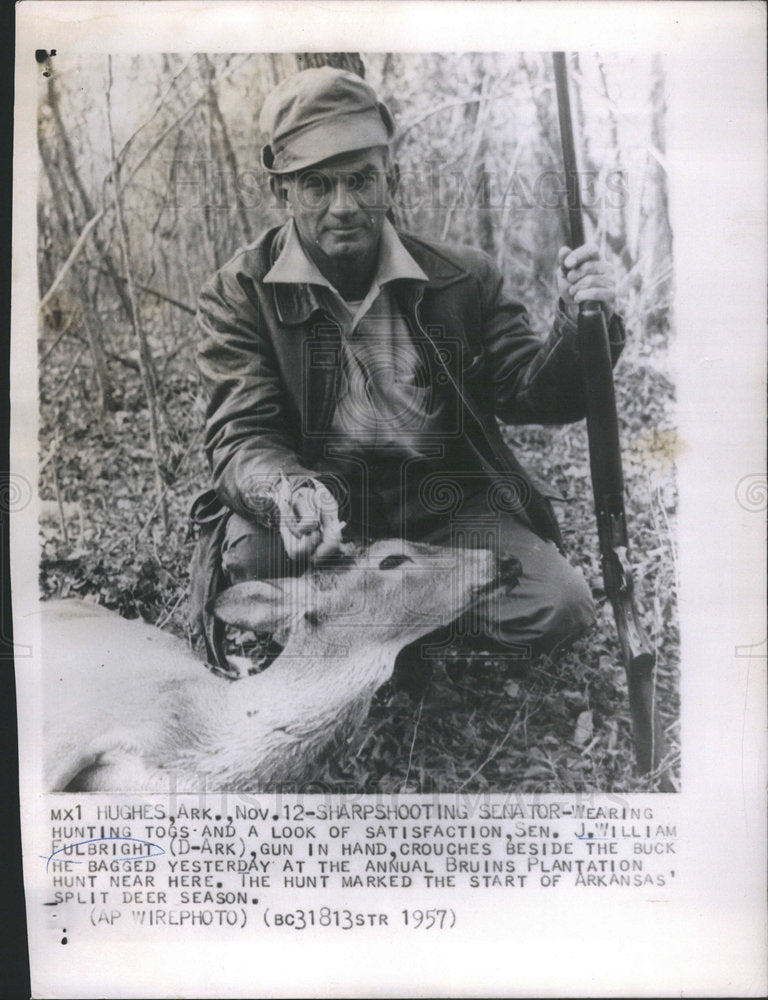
(356, 371)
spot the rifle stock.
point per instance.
(608, 482)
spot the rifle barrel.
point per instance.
(573, 191)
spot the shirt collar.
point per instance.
(394, 260)
(294, 267)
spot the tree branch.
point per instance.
(149, 291)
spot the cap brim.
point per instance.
(329, 138)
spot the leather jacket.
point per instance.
(270, 360)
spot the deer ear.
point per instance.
(259, 605)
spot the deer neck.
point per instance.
(322, 674)
(316, 691)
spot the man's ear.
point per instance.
(279, 188)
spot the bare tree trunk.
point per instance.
(93, 332)
(214, 109)
(616, 237)
(656, 213)
(69, 157)
(101, 377)
(146, 364)
(349, 61)
(206, 208)
(274, 65)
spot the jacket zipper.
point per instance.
(451, 379)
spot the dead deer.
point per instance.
(129, 708)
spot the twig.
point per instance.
(164, 618)
(92, 222)
(228, 72)
(230, 158)
(482, 98)
(670, 537)
(413, 743)
(507, 204)
(73, 255)
(476, 143)
(487, 760)
(48, 455)
(148, 291)
(112, 355)
(62, 384)
(62, 519)
(659, 534)
(158, 107)
(162, 137)
(52, 347)
(185, 455)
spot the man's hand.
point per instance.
(309, 521)
(582, 276)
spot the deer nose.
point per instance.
(510, 569)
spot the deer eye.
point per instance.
(392, 562)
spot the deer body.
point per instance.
(129, 708)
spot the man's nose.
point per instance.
(342, 197)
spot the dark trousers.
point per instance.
(550, 606)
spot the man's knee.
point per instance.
(544, 612)
(569, 610)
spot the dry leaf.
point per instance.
(512, 689)
(583, 731)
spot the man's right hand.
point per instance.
(309, 521)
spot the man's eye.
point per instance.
(315, 185)
(361, 181)
(392, 562)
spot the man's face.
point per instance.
(339, 205)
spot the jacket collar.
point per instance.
(295, 301)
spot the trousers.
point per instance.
(549, 608)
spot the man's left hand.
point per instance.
(309, 520)
(583, 276)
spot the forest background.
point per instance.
(150, 179)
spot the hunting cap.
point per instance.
(319, 113)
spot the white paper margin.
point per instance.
(707, 937)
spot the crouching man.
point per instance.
(355, 374)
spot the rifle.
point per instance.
(608, 480)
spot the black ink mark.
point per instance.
(43, 57)
(97, 840)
